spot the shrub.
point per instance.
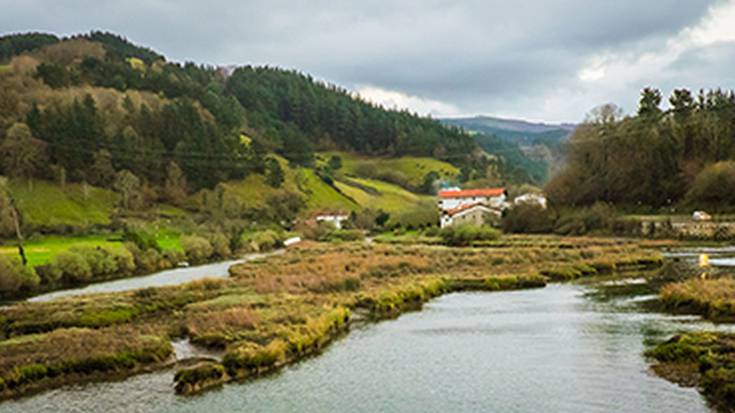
(197, 249)
(141, 238)
(598, 218)
(320, 231)
(527, 218)
(422, 216)
(220, 245)
(261, 241)
(147, 261)
(125, 261)
(174, 257)
(15, 277)
(713, 185)
(345, 235)
(73, 266)
(48, 273)
(100, 261)
(463, 235)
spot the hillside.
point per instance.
(532, 150)
(408, 172)
(110, 131)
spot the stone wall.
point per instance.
(688, 230)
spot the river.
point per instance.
(559, 348)
(174, 276)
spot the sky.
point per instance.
(541, 60)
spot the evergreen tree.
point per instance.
(273, 173)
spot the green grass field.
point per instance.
(253, 191)
(46, 204)
(322, 196)
(408, 169)
(40, 251)
(388, 197)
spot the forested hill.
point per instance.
(680, 157)
(89, 106)
(513, 130)
(531, 151)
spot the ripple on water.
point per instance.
(550, 349)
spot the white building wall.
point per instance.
(335, 220)
(452, 203)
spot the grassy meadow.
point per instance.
(41, 250)
(377, 194)
(47, 205)
(406, 171)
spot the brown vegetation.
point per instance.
(272, 311)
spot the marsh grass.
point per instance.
(712, 298)
(273, 312)
(702, 359)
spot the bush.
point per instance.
(141, 238)
(48, 273)
(528, 219)
(174, 257)
(346, 235)
(315, 232)
(100, 261)
(261, 241)
(463, 235)
(197, 249)
(423, 216)
(598, 218)
(15, 277)
(220, 245)
(73, 266)
(125, 261)
(713, 185)
(146, 261)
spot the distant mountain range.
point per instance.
(519, 131)
(533, 149)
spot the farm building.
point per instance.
(335, 218)
(471, 206)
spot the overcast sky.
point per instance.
(550, 60)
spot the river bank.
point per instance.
(559, 348)
(273, 311)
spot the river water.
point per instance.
(174, 276)
(556, 349)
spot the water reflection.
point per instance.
(551, 349)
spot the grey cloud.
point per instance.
(480, 56)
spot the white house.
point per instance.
(334, 218)
(472, 214)
(454, 198)
(531, 198)
(471, 206)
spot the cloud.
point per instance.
(392, 99)
(697, 56)
(535, 59)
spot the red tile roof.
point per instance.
(469, 193)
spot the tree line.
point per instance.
(656, 158)
(195, 135)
